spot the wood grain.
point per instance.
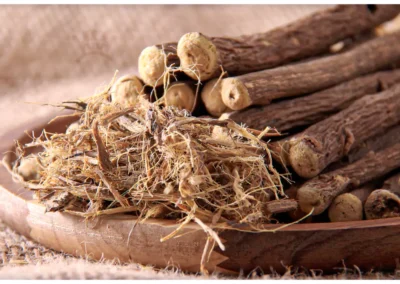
(367, 244)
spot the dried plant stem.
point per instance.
(154, 62)
(280, 150)
(386, 138)
(303, 38)
(126, 90)
(156, 163)
(281, 206)
(123, 201)
(333, 138)
(102, 154)
(211, 97)
(260, 88)
(392, 183)
(181, 95)
(382, 203)
(350, 206)
(297, 214)
(304, 111)
(385, 202)
(319, 192)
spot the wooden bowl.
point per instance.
(371, 244)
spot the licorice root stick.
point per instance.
(306, 37)
(310, 109)
(331, 139)
(385, 202)
(154, 60)
(379, 142)
(126, 90)
(260, 88)
(280, 206)
(280, 150)
(319, 192)
(211, 97)
(393, 184)
(386, 138)
(181, 95)
(350, 206)
(295, 214)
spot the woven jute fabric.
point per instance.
(54, 53)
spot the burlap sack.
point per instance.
(53, 53)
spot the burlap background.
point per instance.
(53, 53)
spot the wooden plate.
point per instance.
(367, 244)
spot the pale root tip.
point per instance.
(126, 89)
(212, 99)
(303, 159)
(309, 199)
(198, 56)
(29, 169)
(152, 66)
(346, 207)
(181, 96)
(317, 194)
(235, 94)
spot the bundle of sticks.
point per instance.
(328, 83)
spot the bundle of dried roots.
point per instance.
(157, 163)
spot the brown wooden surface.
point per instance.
(367, 244)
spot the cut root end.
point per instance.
(152, 66)
(126, 89)
(309, 199)
(382, 203)
(319, 193)
(235, 94)
(303, 159)
(181, 96)
(346, 207)
(198, 56)
(212, 98)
